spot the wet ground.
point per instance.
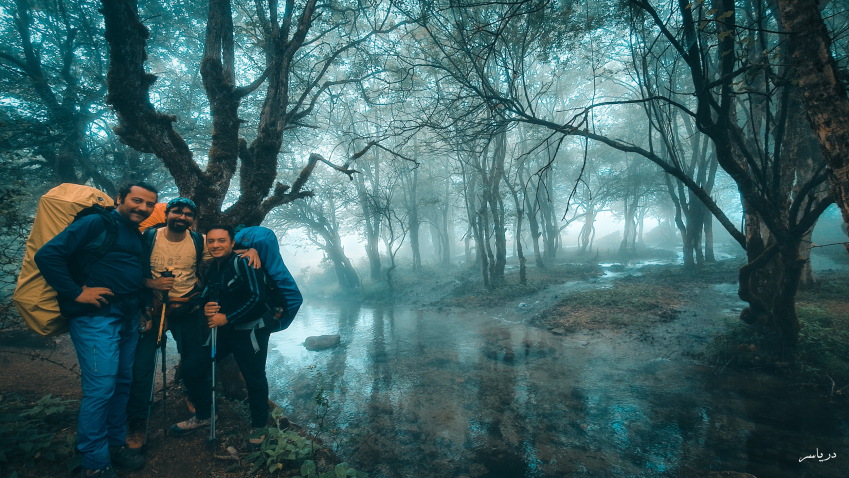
(451, 393)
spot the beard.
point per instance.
(178, 225)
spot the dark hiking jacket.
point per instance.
(239, 289)
(120, 269)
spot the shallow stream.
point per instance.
(451, 393)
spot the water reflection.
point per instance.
(443, 393)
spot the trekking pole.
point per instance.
(160, 344)
(213, 345)
(150, 400)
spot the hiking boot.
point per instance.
(107, 472)
(126, 459)
(135, 439)
(190, 405)
(188, 426)
(256, 439)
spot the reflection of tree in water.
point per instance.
(451, 393)
(497, 433)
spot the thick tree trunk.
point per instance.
(146, 130)
(445, 235)
(551, 231)
(371, 224)
(533, 228)
(695, 221)
(415, 247)
(687, 240)
(769, 283)
(496, 209)
(824, 93)
(629, 235)
(482, 253)
(807, 279)
(585, 237)
(709, 247)
(520, 251)
(345, 272)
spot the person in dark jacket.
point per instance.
(102, 308)
(235, 295)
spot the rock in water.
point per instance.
(321, 342)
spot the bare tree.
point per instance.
(290, 52)
(741, 101)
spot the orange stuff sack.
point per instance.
(156, 217)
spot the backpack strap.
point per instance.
(103, 242)
(197, 238)
(259, 322)
(149, 236)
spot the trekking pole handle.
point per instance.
(165, 273)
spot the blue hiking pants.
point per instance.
(105, 349)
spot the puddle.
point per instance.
(447, 393)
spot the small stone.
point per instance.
(322, 342)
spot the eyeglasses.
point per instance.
(187, 214)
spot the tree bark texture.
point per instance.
(143, 128)
(371, 221)
(825, 95)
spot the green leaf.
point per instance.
(253, 456)
(308, 468)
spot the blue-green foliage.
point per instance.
(286, 450)
(32, 432)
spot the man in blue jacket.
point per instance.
(102, 306)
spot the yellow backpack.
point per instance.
(34, 298)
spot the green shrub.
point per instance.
(285, 449)
(31, 433)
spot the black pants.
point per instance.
(251, 364)
(189, 334)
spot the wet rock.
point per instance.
(322, 342)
